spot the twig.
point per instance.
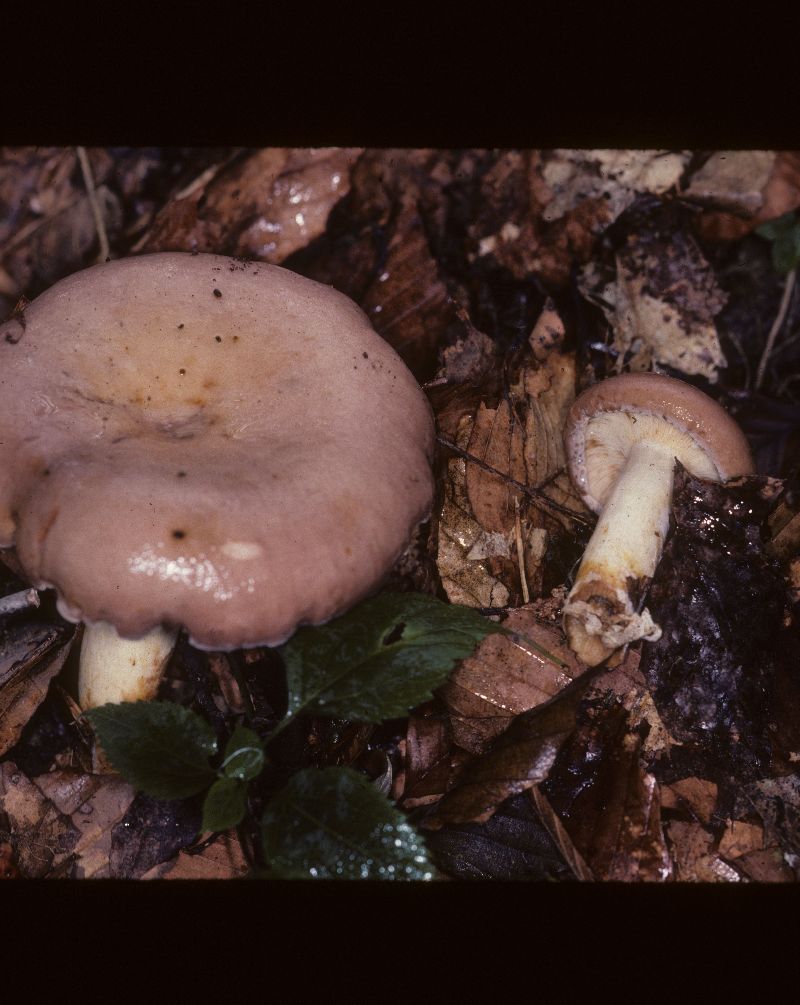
(777, 324)
(526, 597)
(94, 202)
(18, 602)
(535, 493)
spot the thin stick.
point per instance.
(534, 493)
(526, 597)
(94, 202)
(18, 602)
(777, 324)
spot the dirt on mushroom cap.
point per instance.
(219, 444)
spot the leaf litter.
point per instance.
(508, 281)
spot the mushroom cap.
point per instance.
(608, 418)
(201, 441)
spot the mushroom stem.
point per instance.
(600, 613)
(113, 669)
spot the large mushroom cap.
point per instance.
(200, 441)
(609, 417)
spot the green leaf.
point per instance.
(380, 659)
(225, 804)
(159, 747)
(785, 236)
(333, 824)
(244, 755)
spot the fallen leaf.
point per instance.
(264, 204)
(660, 298)
(740, 838)
(505, 677)
(42, 837)
(560, 836)
(697, 795)
(778, 192)
(513, 845)
(694, 855)
(607, 800)
(94, 804)
(432, 763)
(616, 176)
(777, 802)
(222, 859)
(31, 655)
(151, 832)
(520, 758)
(767, 866)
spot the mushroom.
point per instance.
(622, 438)
(201, 442)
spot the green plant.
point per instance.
(375, 663)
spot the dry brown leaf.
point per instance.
(223, 859)
(627, 682)
(509, 494)
(741, 838)
(464, 550)
(470, 358)
(694, 855)
(408, 303)
(29, 659)
(42, 837)
(95, 804)
(767, 866)
(431, 762)
(265, 205)
(660, 300)
(506, 676)
(616, 176)
(732, 180)
(698, 795)
(779, 192)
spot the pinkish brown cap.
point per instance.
(200, 441)
(705, 439)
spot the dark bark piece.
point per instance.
(720, 602)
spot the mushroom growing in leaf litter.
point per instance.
(201, 442)
(623, 436)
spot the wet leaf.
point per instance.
(607, 801)
(244, 755)
(159, 747)
(513, 845)
(333, 824)
(225, 804)
(520, 758)
(151, 832)
(432, 763)
(380, 659)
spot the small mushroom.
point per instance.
(200, 442)
(622, 437)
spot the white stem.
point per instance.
(113, 669)
(600, 613)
